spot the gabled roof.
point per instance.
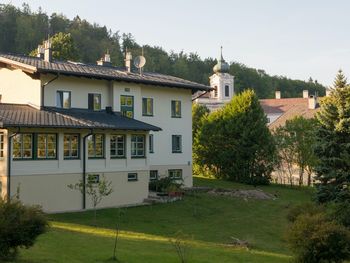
(21, 115)
(287, 109)
(34, 64)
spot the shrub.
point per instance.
(340, 212)
(303, 209)
(164, 184)
(20, 225)
(316, 239)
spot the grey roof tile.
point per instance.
(104, 72)
(21, 115)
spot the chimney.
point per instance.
(47, 51)
(312, 102)
(128, 58)
(278, 94)
(328, 92)
(40, 52)
(105, 61)
(305, 94)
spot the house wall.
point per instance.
(3, 167)
(163, 159)
(79, 88)
(18, 87)
(272, 117)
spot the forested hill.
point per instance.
(22, 30)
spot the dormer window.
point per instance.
(63, 99)
(94, 101)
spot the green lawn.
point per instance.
(208, 221)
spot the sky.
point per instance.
(294, 38)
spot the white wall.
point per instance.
(18, 87)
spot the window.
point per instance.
(175, 174)
(2, 145)
(93, 178)
(46, 146)
(117, 146)
(216, 91)
(23, 146)
(176, 143)
(127, 106)
(137, 146)
(227, 90)
(176, 109)
(150, 145)
(96, 146)
(63, 99)
(147, 106)
(268, 120)
(94, 101)
(71, 146)
(132, 177)
(153, 175)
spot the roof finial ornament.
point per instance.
(221, 66)
(222, 58)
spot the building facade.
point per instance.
(65, 122)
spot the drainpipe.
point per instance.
(9, 157)
(84, 168)
(43, 90)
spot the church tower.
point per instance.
(222, 82)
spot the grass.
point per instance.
(210, 222)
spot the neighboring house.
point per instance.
(62, 122)
(279, 110)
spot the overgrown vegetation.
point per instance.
(22, 30)
(20, 226)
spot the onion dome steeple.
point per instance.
(222, 66)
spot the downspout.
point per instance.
(84, 168)
(43, 90)
(9, 157)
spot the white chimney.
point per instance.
(305, 94)
(47, 51)
(128, 58)
(40, 52)
(312, 102)
(105, 61)
(278, 94)
(328, 91)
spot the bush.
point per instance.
(164, 184)
(340, 212)
(316, 239)
(20, 225)
(303, 209)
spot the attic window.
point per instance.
(63, 99)
(94, 101)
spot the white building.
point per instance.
(62, 122)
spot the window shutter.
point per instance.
(91, 102)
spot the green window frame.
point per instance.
(132, 177)
(46, 145)
(176, 109)
(147, 107)
(63, 99)
(151, 143)
(153, 175)
(94, 101)
(2, 138)
(175, 174)
(96, 146)
(127, 106)
(22, 146)
(117, 146)
(176, 143)
(71, 146)
(137, 146)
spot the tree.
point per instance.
(63, 47)
(296, 142)
(332, 148)
(198, 114)
(20, 225)
(96, 189)
(235, 143)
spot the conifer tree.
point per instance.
(333, 144)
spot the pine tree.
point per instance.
(333, 144)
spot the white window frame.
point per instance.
(132, 177)
(135, 146)
(175, 174)
(117, 144)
